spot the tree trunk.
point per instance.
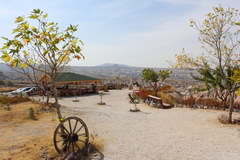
(56, 105)
(48, 96)
(155, 88)
(231, 106)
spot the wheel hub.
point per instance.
(74, 138)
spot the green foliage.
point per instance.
(201, 89)
(40, 42)
(236, 78)
(31, 114)
(213, 78)
(150, 75)
(164, 74)
(101, 94)
(40, 45)
(219, 37)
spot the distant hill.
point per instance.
(112, 65)
(121, 70)
(107, 70)
(4, 68)
(104, 70)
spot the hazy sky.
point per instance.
(143, 33)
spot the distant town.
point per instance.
(110, 71)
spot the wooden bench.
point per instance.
(155, 101)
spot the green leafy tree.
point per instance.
(154, 77)
(219, 39)
(150, 75)
(163, 75)
(42, 46)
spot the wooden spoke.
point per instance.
(70, 136)
(82, 141)
(63, 147)
(83, 134)
(79, 129)
(62, 133)
(73, 146)
(64, 128)
(77, 146)
(69, 144)
(70, 127)
(75, 126)
(62, 140)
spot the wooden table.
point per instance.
(156, 101)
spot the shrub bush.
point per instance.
(7, 107)
(223, 118)
(189, 101)
(13, 100)
(144, 93)
(105, 88)
(210, 102)
(31, 114)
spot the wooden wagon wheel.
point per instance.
(71, 135)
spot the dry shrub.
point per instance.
(99, 87)
(167, 89)
(34, 149)
(105, 88)
(119, 86)
(7, 117)
(223, 118)
(130, 87)
(144, 93)
(224, 105)
(237, 106)
(13, 100)
(7, 89)
(208, 102)
(10, 116)
(189, 101)
(20, 112)
(96, 144)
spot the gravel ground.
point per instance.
(155, 134)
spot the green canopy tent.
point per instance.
(68, 78)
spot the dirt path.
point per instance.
(152, 134)
(14, 135)
(155, 134)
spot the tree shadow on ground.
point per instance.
(98, 155)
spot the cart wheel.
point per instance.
(71, 135)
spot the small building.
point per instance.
(69, 84)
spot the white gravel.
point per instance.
(155, 134)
